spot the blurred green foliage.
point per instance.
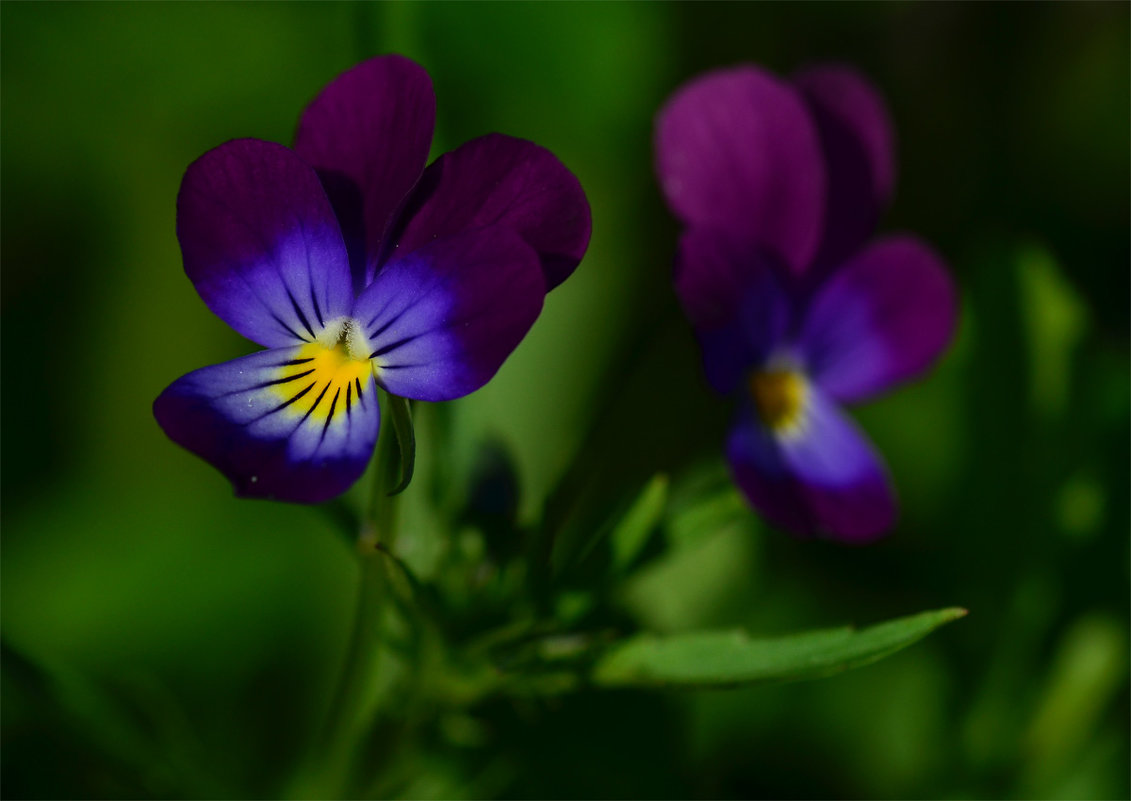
(139, 596)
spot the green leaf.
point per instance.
(731, 658)
(401, 416)
(632, 532)
(1057, 320)
(627, 529)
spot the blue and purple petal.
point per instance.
(502, 181)
(736, 300)
(261, 243)
(368, 134)
(879, 320)
(823, 478)
(443, 317)
(291, 424)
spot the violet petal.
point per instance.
(277, 427)
(443, 318)
(859, 148)
(501, 180)
(822, 480)
(735, 300)
(880, 319)
(368, 134)
(261, 244)
(737, 150)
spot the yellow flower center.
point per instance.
(779, 397)
(327, 377)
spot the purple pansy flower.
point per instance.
(356, 267)
(780, 184)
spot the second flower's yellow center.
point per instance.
(326, 378)
(779, 397)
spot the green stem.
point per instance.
(333, 754)
(348, 708)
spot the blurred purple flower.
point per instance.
(354, 265)
(780, 184)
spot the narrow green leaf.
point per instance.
(631, 534)
(401, 415)
(627, 528)
(731, 658)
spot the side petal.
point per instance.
(289, 424)
(880, 319)
(737, 150)
(501, 180)
(261, 244)
(443, 318)
(368, 134)
(859, 147)
(823, 479)
(736, 301)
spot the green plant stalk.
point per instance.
(333, 753)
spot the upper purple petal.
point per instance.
(737, 150)
(261, 244)
(444, 317)
(734, 297)
(880, 319)
(368, 134)
(824, 479)
(859, 149)
(504, 181)
(277, 427)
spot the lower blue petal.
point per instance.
(291, 424)
(819, 477)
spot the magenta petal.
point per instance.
(368, 134)
(443, 318)
(824, 479)
(859, 148)
(504, 181)
(880, 319)
(260, 242)
(737, 150)
(272, 425)
(735, 300)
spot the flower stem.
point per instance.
(333, 755)
(351, 700)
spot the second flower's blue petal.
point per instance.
(368, 134)
(735, 300)
(261, 244)
(822, 478)
(291, 424)
(501, 180)
(880, 319)
(859, 146)
(443, 318)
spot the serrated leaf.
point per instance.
(732, 658)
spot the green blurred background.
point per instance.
(128, 566)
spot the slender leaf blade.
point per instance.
(732, 658)
(401, 414)
(632, 532)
